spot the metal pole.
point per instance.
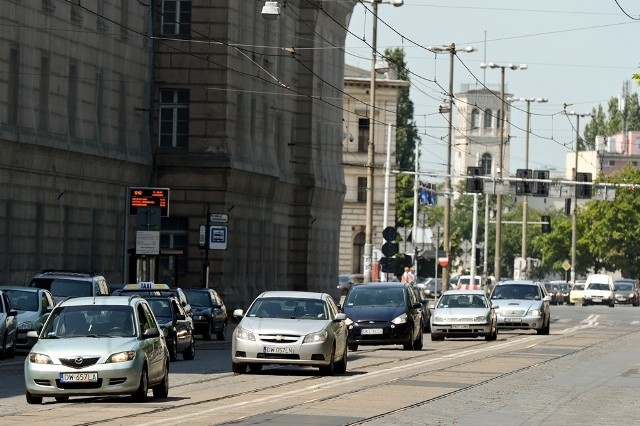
(496, 271)
(371, 151)
(387, 178)
(447, 180)
(485, 253)
(416, 187)
(474, 237)
(525, 201)
(574, 217)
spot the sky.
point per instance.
(578, 52)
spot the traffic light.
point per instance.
(584, 190)
(523, 187)
(546, 224)
(567, 206)
(540, 189)
(475, 185)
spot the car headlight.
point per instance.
(122, 357)
(244, 334)
(318, 337)
(535, 312)
(481, 319)
(27, 325)
(402, 319)
(438, 319)
(39, 358)
(348, 322)
(199, 317)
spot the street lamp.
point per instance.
(525, 202)
(451, 48)
(371, 147)
(492, 65)
(574, 216)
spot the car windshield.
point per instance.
(578, 287)
(462, 301)
(619, 287)
(161, 308)
(61, 288)
(372, 296)
(198, 298)
(516, 291)
(564, 287)
(90, 321)
(286, 307)
(598, 286)
(23, 300)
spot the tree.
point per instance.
(612, 122)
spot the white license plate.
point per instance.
(460, 326)
(78, 377)
(513, 320)
(371, 331)
(277, 350)
(597, 300)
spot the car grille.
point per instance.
(513, 313)
(279, 338)
(460, 319)
(278, 356)
(92, 385)
(79, 362)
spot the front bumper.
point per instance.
(461, 330)
(297, 353)
(393, 334)
(526, 322)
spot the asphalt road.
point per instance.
(585, 371)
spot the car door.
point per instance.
(152, 347)
(183, 329)
(339, 327)
(11, 319)
(219, 311)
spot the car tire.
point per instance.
(612, 305)
(207, 332)
(418, 344)
(327, 370)
(140, 395)
(11, 353)
(341, 366)
(161, 390)
(238, 368)
(31, 399)
(353, 347)
(62, 399)
(255, 368)
(173, 348)
(3, 349)
(222, 334)
(436, 338)
(493, 335)
(190, 352)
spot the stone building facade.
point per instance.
(236, 114)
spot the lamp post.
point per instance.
(525, 202)
(574, 214)
(496, 268)
(448, 192)
(368, 233)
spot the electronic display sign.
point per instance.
(141, 197)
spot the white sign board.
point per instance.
(148, 242)
(218, 237)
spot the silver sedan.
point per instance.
(464, 313)
(290, 328)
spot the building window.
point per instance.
(72, 98)
(358, 253)
(174, 118)
(475, 119)
(99, 96)
(176, 17)
(485, 164)
(43, 101)
(488, 116)
(174, 235)
(14, 84)
(499, 119)
(363, 134)
(362, 189)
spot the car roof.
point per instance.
(292, 294)
(100, 301)
(478, 292)
(388, 284)
(523, 282)
(21, 287)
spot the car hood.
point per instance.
(201, 310)
(517, 303)
(24, 316)
(282, 325)
(373, 313)
(84, 346)
(460, 312)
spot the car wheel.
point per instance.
(353, 347)
(435, 337)
(238, 368)
(222, 334)
(584, 304)
(140, 395)
(11, 352)
(207, 332)
(161, 390)
(173, 348)
(418, 343)
(190, 352)
(255, 368)
(327, 370)
(33, 399)
(3, 349)
(341, 366)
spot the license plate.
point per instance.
(596, 300)
(460, 326)
(371, 331)
(513, 320)
(277, 350)
(78, 377)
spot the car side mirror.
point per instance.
(238, 313)
(340, 317)
(33, 334)
(13, 313)
(151, 333)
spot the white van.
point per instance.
(464, 283)
(599, 290)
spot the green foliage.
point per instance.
(608, 124)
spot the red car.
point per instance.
(626, 291)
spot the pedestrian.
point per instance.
(412, 276)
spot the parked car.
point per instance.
(626, 291)
(32, 304)
(150, 288)
(209, 312)
(522, 304)
(64, 283)
(8, 327)
(599, 290)
(464, 313)
(176, 325)
(290, 328)
(553, 290)
(576, 294)
(426, 311)
(96, 346)
(383, 313)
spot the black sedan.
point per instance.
(176, 325)
(209, 312)
(383, 314)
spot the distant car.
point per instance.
(65, 283)
(32, 304)
(555, 292)
(626, 291)
(150, 288)
(565, 290)
(426, 311)
(522, 304)
(432, 288)
(176, 326)
(290, 328)
(466, 283)
(576, 294)
(8, 327)
(383, 313)
(209, 312)
(599, 290)
(97, 346)
(464, 313)
(345, 282)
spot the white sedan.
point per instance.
(464, 313)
